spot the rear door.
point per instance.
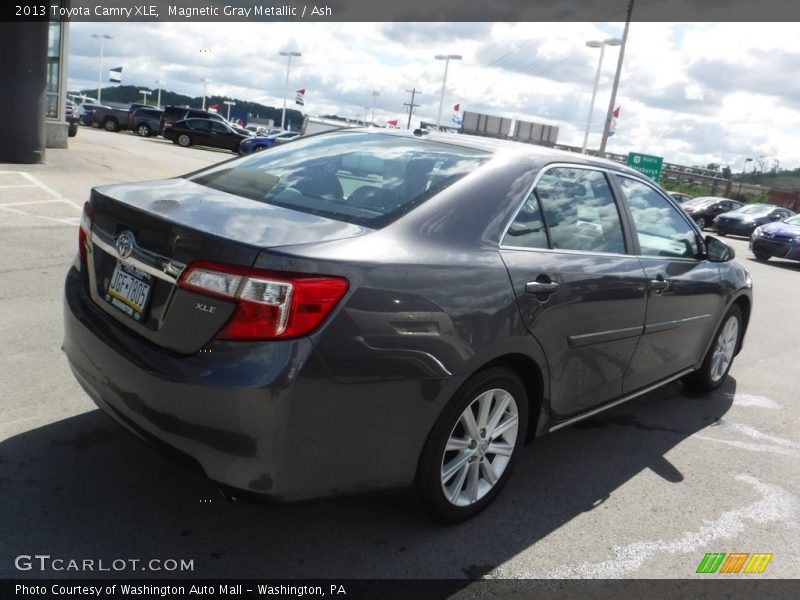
(684, 292)
(201, 131)
(580, 290)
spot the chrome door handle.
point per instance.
(540, 287)
(659, 284)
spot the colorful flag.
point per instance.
(213, 107)
(298, 99)
(392, 123)
(115, 75)
(458, 118)
(612, 128)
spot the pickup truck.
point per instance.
(114, 119)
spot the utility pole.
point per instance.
(610, 113)
(411, 106)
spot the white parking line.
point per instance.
(31, 202)
(56, 197)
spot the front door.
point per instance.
(684, 292)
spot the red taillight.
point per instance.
(269, 305)
(85, 230)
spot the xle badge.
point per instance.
(205, 308)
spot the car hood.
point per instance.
(734, 216)
(781, 229)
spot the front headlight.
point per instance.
(757, 232)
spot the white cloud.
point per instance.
(693, 93)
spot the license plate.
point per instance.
(129, 290)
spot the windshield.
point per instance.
(368, 179)
(795, 220)
(756, 209)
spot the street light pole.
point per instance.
(288, 55)
(739, 191)
(375, 95)
(229, 103)
(145, 94)
(159, 83)
(602, 45)
(446, 58)
(205, 84)
(613, 100)
(102, 39)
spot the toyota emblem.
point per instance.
(125, 244)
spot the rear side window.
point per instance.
(571, 209)
(368, 179)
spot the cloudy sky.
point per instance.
(692, 93)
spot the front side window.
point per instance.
(660, 228)
(363, 178)
(577, 209)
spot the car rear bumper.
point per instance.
(266, 419)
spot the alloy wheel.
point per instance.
(479, 447)
(724, 348)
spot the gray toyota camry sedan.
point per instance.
(364, 310)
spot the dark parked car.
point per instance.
(744, 220)
(146, 121)
(705, 208)
(204, 132)
(298, 330)
(173, 114)
(780, 239)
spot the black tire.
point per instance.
(95, 124)
(708, 377)
(111, 125)
(476, 459)
(143, 130)
(762, 256)
(184, 140)
(701, 223)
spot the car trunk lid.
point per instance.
(144, 235)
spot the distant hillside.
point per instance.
(125, 94)
(783, 180)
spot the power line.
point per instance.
(411, 104)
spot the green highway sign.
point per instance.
(646, 164)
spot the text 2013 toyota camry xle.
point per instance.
(363, 310)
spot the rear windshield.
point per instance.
(358, 177)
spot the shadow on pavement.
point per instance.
(84, 488)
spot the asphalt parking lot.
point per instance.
(641, 491)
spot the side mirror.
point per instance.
(775, 218)
(718, 251)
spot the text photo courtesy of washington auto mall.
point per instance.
(444, 299)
